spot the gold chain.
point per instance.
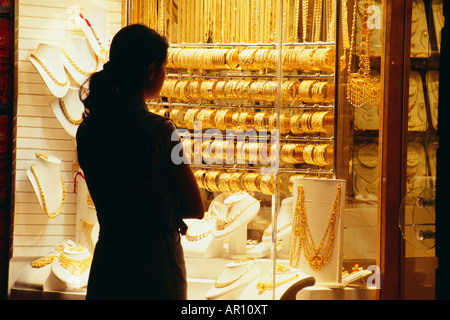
(59, 83)
(41, 192)
(191, 237)
(225, 284)
(73, 63)
(67, 115)
(223, 223)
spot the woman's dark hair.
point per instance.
(133, 49)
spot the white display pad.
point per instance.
(320, 195)
(69, 111)
(78, 58)
(47, 179)
(92, 21)
(48, 62)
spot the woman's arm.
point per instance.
(188, 193)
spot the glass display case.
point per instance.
(277, 101)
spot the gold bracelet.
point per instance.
(308, 153)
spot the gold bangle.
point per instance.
(211, 181)
(308, 153)
(223, 119)
(235, 182)
(295, 124)
(261, 121)
(251, 181)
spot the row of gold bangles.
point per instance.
(229, 182)
(313, 154)
(219, 151)
(307, 91)
(252, 59)
(226, 119)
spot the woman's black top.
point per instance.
(127, 164)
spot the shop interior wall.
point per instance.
(36, 127)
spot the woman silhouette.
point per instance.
(140, 194)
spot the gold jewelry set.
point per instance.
(301, 237)
(235, 181)
(362, 87)
(308, 91)
(75, 266)
(41, 192)
(222, 224)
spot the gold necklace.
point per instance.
(295, 244)
(223, 223)
(42, 262)
(67, 115)
(190, 237)
(103, 51)
(319, 256)
(74, 266)
(56, 81)
(305, 13)
(268, 232)
(73, 63)
(87, 228)
(41, 192)
(227, 283)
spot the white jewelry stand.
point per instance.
(49, 176)
(208, 246)
(287, 284)
(319, 199)
(83, 61)
(233, 280)
(365, 172)
(36, 278)
(73, 282)
(50, 57)
(96, 15)
(284, 227)
(243, 209)
(432, 81)
(74, 111)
